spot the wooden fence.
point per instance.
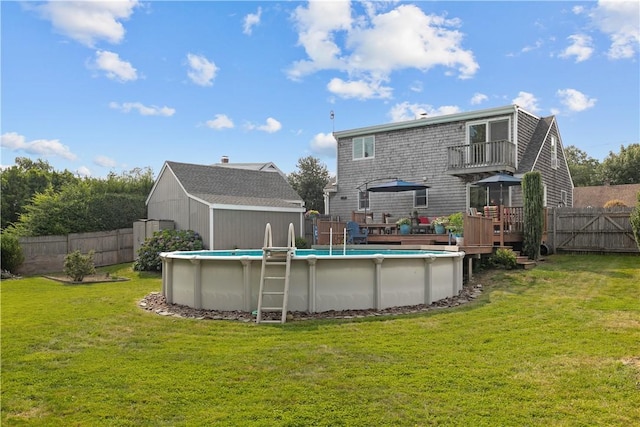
(602, 230)
(45, 254)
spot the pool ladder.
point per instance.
(281, 257)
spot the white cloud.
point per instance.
(575, 100)
(271, 126)
(89, 21)
(324, 144)
(359, 89)
(527, 101)
(581, 47)
(478, 98)
(377, 44)
(83, 171)
(621, 21)
(416, 86)
(144, 110)
(114, 67)
(406, 111)
(105, 162)
(221, 121)
(577, 10)
(40, 147)
(202, 71)
(251, 20)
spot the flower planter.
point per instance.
(405, 229)
(439, 228)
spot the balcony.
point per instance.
(482, 157)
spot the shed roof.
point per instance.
(235, 186)
(598, 195)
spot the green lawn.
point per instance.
(558, 345)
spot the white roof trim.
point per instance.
(225, 207)
(468, 115)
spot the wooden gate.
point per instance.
(593, 230)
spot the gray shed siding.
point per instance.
(526, 127)
(169, 201)
(244, 229)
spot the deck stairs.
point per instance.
(522, 261)
(275, 277)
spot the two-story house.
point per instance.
(449, 154)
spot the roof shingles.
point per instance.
(232, 186)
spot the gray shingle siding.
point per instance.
(414, 151)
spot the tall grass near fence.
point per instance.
(556, 345)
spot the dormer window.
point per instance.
(364, 147)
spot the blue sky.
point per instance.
(100, 87)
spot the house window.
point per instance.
(544, 195)
(363, 200)
(563, 198)
(554, 152)
(364, 147)
(421, 198)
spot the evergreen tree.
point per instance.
(532, 193)
(309, 182)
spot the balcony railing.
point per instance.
(482, 157)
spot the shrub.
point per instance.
(77, 266)
(12, 256)
(165, 241)
(301, 243)
(635, 221)
(615, 203)
(504, 258)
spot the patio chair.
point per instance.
(355, 234)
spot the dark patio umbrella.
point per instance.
(498, 182)
(396, 186)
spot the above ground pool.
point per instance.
(320, 279)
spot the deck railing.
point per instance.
(497, 154)
(486, 230)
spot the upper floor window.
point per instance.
(554, 152)
(421, 198)
(363, 147)
(489, 130)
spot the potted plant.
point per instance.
(439, 224)
(456, 226)
(404, 225)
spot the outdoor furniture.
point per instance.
(423, 226)
(379, 228)
(355, 234)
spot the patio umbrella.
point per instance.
(498, 182)
(396, 186)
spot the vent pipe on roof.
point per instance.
(224, 159)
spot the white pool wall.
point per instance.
(317, 283)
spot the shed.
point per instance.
(229, 207)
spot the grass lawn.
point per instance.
(558, 345)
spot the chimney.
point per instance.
(224, 159)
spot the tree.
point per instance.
(532, 194)
(583, 168)
(623, 168)
(25, 179)
(309, 182)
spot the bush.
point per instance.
(11, 251)
(635, 221)
(615, 203)
(504, 258)
(165, 241)
(301, 243)
(77, 266)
